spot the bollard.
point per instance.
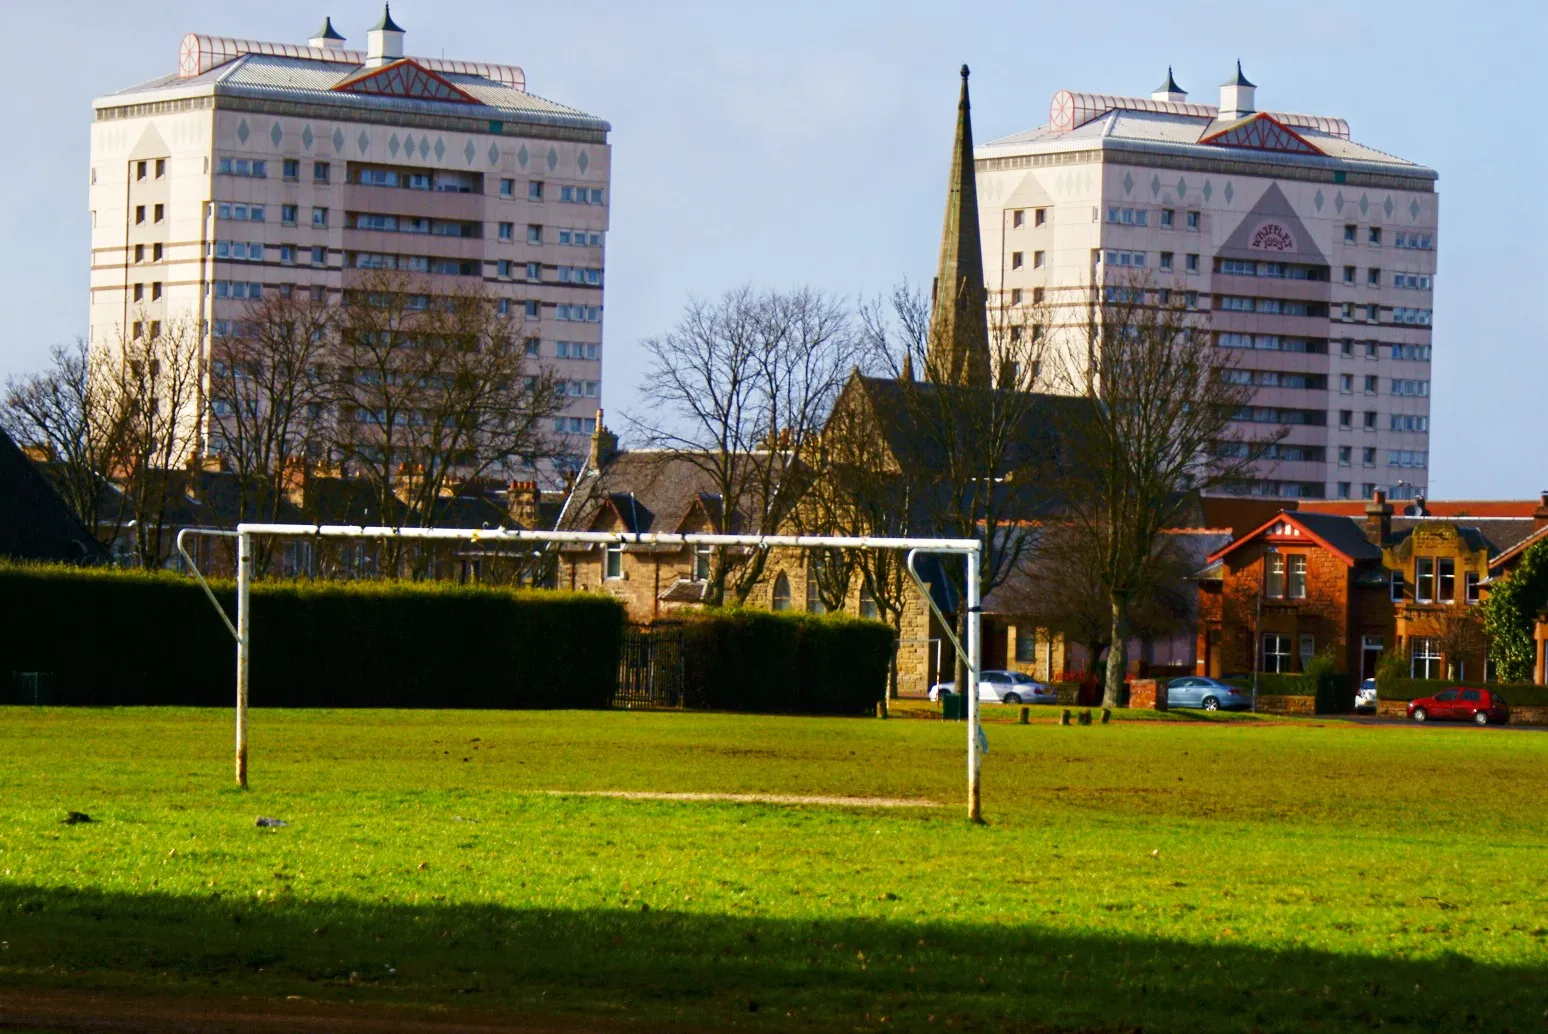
(1085, 717)
(1064, 719)
(1107, 714)
(881, 709)
(1026, 713)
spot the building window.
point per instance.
(871, 612)
(291, 168)
(1166, 260)
(535, 190)
(534, 271)
(507, 188)
(781, 600)
(1395, 592)
(1344, 489)
(1370, 420)
(156, 291)
(288, 215)
(533, 346)
(534, 234)
(1039, 216)
(1349, 274)
(160, 213)
(1349, 233)
(1168, 217)
(1426, 660)
(1193, 264)
(614, 569)
(1018, 219)
(321, 172)
(1446, 579)
(701, 562)
(1193, 220)
(1424, 580)
(1015, 260)
(814, 604)
(1470, 583)
(1015, 296)
(1374, 237)
(1373, 277)
(1345, 456)
(1368, 456)
(1346, 418)
(319, 256)
(1276, 653)
(1297, 577)
(320, 217)
(1346, 383)
(139, 214)
(139, 253)
(1371, 385)
(1037, 294)
(1038, 258)
(507, 231)
(139, 170)
(1274, 576)
(139, 292)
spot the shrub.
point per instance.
(130, 637)
(1511, 610)
(743, 660)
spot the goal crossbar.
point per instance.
(245, 533)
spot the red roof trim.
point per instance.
(350, 84)
(1282, 515)
(1261, 116)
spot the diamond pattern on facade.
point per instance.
(1317, 199)
(553, 159)
(582, 162)
(1413, 209)
(1338, 202)
(1182, 187)
(469, 151)
(363, 141)
(338, 140)
(276, 134)
(1155, 186)
(1387, 206)
(522, 156)
(424, 147)
(392, 145)
(494, 154)
(408, 146)
(1128, 183)
(1208, 190)
(1365, 204)
(439, 149)
(242, 131)
(1229, 192)
(307, 137)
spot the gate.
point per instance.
(650, 668)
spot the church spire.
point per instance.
(959, 322)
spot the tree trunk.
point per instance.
(1117, 653)
(960, 675)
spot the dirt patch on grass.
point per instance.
(755, 798)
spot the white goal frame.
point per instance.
(968, 549)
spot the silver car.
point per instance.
(1004, 687)
(1365, 696)
(1210, 694)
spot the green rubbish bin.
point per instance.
(953, 707)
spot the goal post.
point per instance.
(245, 534)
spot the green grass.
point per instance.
(1239, 874)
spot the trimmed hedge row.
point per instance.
(1519, 694)
(743, 660)
(1333, 693)
(108, 637)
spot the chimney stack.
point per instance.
(1237, 96)
(1169, 90)
(521, 503)
(1378, 519)
(1540, 515)
(604, 445)
(384, 41)
(327, 37)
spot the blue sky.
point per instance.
(807, 143)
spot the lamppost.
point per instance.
(1257, 626)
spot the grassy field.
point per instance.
(1240, 874)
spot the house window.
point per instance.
(1426, 659)
(1373, 277)
(781, 600)
(507, 188)
(139, 214)
(288, 215)
(1374, 237)
(507, 231)
(1297, 577)
(1446, 579)
(1015, 260)
(1274, 576)
(1018, 219)
(1349, 274)
(1193, 264)
(1470, 586)
(871, 612)
(1424, 580)
(1038, 258)
(1166, 260)
(1345, 489)
(1349, 233)
(701, 562)
(161, 212)
(139, 170)
(814, 604)
(1276, 652)
(320, 172)
(535, 190)
(1308, 650)
(1193, 220)
(1039, 216)
(614, 569)
(1168, 216)
(320, 217)
(534, 234)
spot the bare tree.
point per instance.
(978, 458)
(1462, 637)
(434, 390)
(270, 394)
(1159, 428)
(739, 388)
(72, 412)
(155, 381)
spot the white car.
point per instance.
(1004, 687)
(1365, 696)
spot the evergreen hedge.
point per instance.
(1517, 694)
(744, 660)
(110, 637)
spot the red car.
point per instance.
(1479, 706)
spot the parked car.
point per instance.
(1210, 694)
(1004, 687)
(1479, 706)
(1365, 696)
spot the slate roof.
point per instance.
(1343, 534)
(35, 524)
(1496, 534)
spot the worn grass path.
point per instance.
(1230, 875)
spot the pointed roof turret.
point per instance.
(387, 24)
(1170, 86)
(907, 373)
(1239, 79)
(328, 31)
(959, 322)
